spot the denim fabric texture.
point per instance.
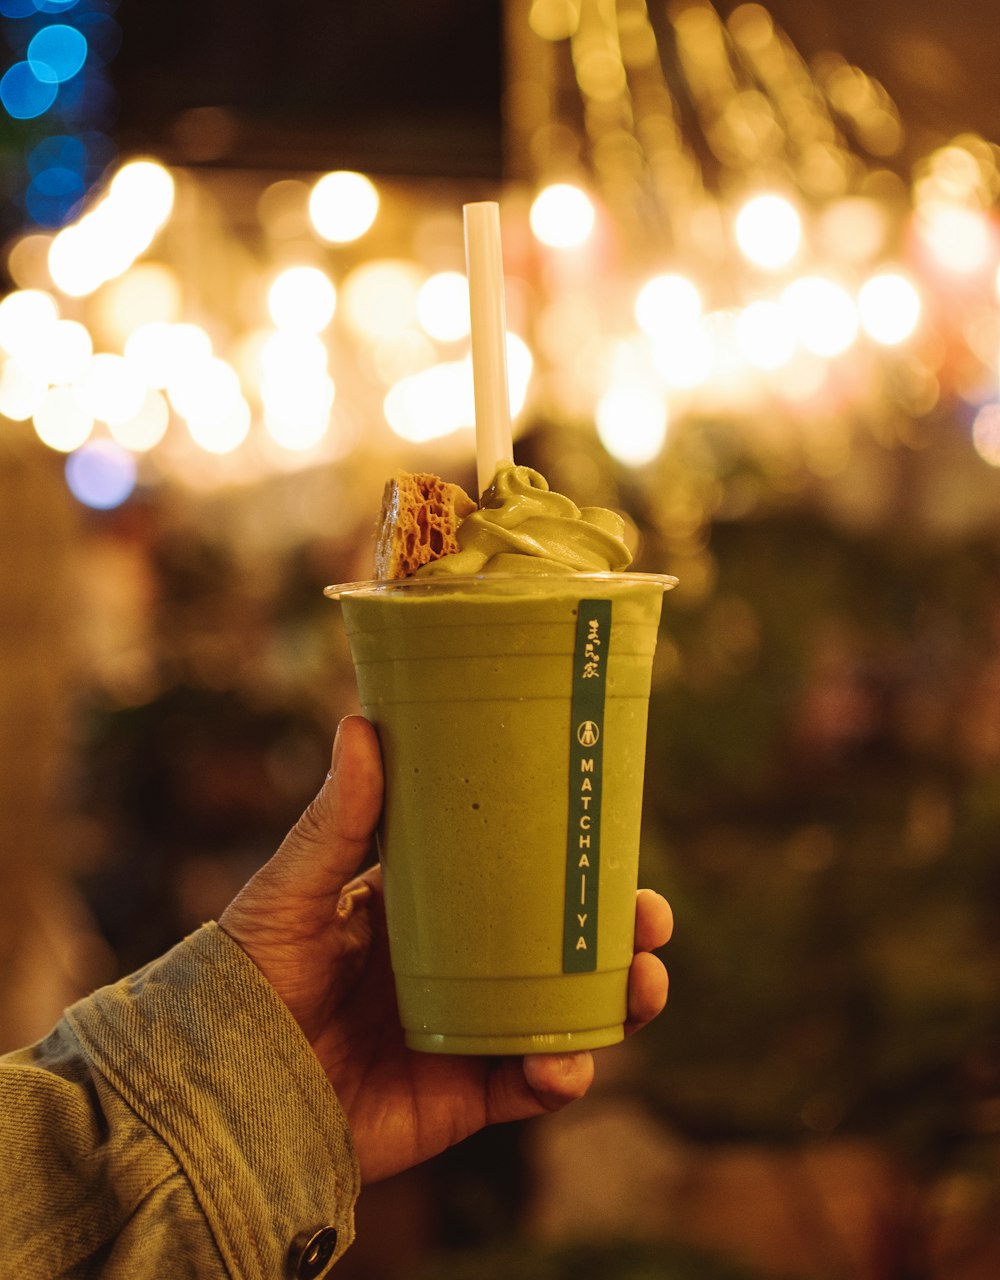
(175, 1124)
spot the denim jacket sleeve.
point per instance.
(174, 1124)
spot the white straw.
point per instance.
(484, 265)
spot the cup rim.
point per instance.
(435, 582)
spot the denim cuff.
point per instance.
(206, 1054)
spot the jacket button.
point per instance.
(316, 1254)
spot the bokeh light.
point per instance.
(433, 403)
(52, 195)
(822, 315)
(148, 293)
(101, 475)
(19, 8)
(206, 393)
(438, 401)
(986, 434)
(764, 335)
(53, 6)
(145, 429)
(302, 299)
(667, 304)
(58, 165)
(803, 378)
(343, 205)
(297, 410)
(57, 52)
(28, 261)
(73, 265)
(402, 354)
(554, 19)
(61, 422)
(224, 431)
(27, 319)
(59, 150)
(23, 95)
(21, 392)
(520, 368)
(853, 229)
(109, 388)
(364, 329)
(286, 356)
(889, 308)
(162, 353)
(632, 423)
(562, 216)
(144, 189)
(768, 231)
(959, 239)
(443, 306)
(684, 359)
(107, 239)
(379, 298)
(62, 355)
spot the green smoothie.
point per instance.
(511, 711)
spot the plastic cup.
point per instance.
(511, 713)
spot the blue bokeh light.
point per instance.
(60, 151)
(51, 209)
(59, 182)
(18, 8)
(101, 474)
(54, 195)
(57, 52)
(23, 95)
(50, 212)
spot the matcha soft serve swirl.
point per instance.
(523, 527)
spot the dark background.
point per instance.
(391, 87)
(417, 88)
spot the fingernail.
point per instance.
(351, 898)
(338, 748)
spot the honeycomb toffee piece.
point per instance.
(418, 522)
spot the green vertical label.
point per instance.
(586, 775)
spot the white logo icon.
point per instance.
(587, 733)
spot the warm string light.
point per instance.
(274, 388)
(134, 371)
(758, 285)
(789, 224)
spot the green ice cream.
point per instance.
(523, 527)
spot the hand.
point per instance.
(319, 937)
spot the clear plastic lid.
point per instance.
(498, 583)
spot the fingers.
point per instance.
(326, 846)
(648, 985)
(356, 777)
(558, 1078)
(519, 1088)
(654, 920)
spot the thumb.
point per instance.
(328, 843)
